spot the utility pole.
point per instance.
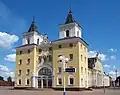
(116, 74)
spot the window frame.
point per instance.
(71, 77)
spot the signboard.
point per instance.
(69, 69)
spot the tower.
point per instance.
(32, 36)
(70, 28)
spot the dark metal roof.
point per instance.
(91, 62)
(69, 18)
(33, 27)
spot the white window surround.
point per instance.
(58, 80)
(26, 81)
(18, 81)
(71, 76)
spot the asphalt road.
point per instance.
(8, 91)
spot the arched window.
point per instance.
(78, 33)
(67, 33)
(59, 80)
(71, 80)
(45, 71)
(28, 41)
(37, 41)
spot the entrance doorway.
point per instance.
(45, 78)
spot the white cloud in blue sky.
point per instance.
(7, 40)
(112, 50)
(10, 26)
(10, 57)
(101, 56)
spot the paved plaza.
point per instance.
(8, 91)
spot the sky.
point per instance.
(100, 20)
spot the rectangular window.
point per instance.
(81, 46)
(19, 73)
(85, 59)
(71, 81)
(38, 41)
(85, 49)
(28, 51)
(28, 82)
(28, 61)
(81, 58)
(82, 82)
(60, 46)
(28, 41)
(71, 56)
(28, 71)
(19, 81)
(60, 81)
(81, 69)
(70, 45)
(20, 62)
(20, 52)
(85, 70)
(59, 69)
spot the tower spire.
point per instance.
(69, 18)
(33, 19)
(33, 27)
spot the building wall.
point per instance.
(83, 63)
(106, 81)
(23, 67)
(96, 75)
(76, 63)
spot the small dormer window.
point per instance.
(67, 33)
(28, 41)
(37, 41)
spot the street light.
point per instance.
(64, 61)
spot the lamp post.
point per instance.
(104, 81)
(64, 61)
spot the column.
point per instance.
(47, 82)
(33, 81)
(41, 83)
(36, 81)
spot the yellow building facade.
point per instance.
(38, 63)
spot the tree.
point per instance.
(9, 79)
(1, 78)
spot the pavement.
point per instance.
(10, 91)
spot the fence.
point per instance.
(5, 83)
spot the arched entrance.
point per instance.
(45, 78)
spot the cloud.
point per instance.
(7, 40)
(11, 74)
(112, 72)
(112, 50)
(4, 68)
(13, 50)
(10, 57)
(100, 56)
(106, 66)
(6, 72)
(114, 67)
(113, 57)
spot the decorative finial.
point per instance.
(70, 9)
(33, 19)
